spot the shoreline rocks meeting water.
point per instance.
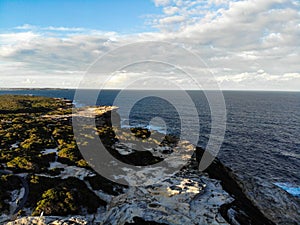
(37, 144)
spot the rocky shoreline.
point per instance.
(190, 197)
(63, 189)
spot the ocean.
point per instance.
(262, 138)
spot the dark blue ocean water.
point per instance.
(262, 133)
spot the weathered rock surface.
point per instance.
(285, 209)
(186, 198)
(49, 220)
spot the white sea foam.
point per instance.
(292, 189)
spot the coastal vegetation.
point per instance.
(27, 131)
(36, 134)
(66, 197)
(29, 104)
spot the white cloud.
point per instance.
(26, 27)
(171, 10)
(161, 2)
(247, 44)
(51, 28)
(218, 2)
(171, 19)
(39, 81)
(260, 80)
(17, 38)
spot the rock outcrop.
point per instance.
(61, 182)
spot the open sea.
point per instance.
(262, 138)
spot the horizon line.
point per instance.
(119, 89)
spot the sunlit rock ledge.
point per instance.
(88, 111)
(186, 198)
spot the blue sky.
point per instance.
(246, 44)
(118, 15)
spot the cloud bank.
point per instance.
(247, 44)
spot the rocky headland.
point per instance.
(45, 179)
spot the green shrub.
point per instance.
(57, 202)
(20, 163)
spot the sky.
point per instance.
(245, 45)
